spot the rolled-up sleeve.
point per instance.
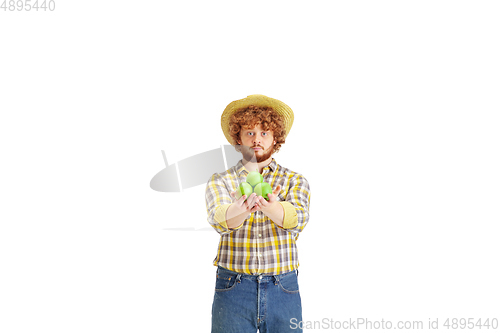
(296, 205)
(218, 200)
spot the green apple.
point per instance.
(244, 189)
(263, 189)
(254, 178)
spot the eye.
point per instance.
(250, 133)
(264, 133)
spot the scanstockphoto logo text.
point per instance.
(28, 5)
(382, 324)
(353, 324)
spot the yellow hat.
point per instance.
(258, 100)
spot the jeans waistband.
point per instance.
(256, 276)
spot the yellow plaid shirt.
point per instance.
(258, 245)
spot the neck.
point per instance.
(253, 166)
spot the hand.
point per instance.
(245, 206)
(263, 204)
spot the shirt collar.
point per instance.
(241, 169)
(273, 165)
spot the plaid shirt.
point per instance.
(258, 245)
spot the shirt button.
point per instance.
(260, 235)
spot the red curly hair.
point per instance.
(251, 116)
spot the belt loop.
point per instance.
(238, 278)
(297, 271)
(276, 279)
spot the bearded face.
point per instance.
(256, 144)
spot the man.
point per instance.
(256, 282)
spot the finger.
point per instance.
(272, 197)
(235, 198)
(234, 194)
(240, 202)
(254, 201)
(248, 202)
(277, 190)
(256, 207)
(262, 203)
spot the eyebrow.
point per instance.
(254, 130)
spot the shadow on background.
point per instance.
(194, 170)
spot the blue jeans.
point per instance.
(244, 303)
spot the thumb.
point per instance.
(277, 190)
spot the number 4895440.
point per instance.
(470, 323)
(28, 5)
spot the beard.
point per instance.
(264, 154)
(256, 157)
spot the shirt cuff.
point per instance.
(220, 215)
(290, 218)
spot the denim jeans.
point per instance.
(247, 303)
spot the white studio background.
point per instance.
(396, 128)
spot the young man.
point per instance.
(256, 283)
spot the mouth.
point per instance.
(256, 148)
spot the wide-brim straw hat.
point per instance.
(258, 100)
